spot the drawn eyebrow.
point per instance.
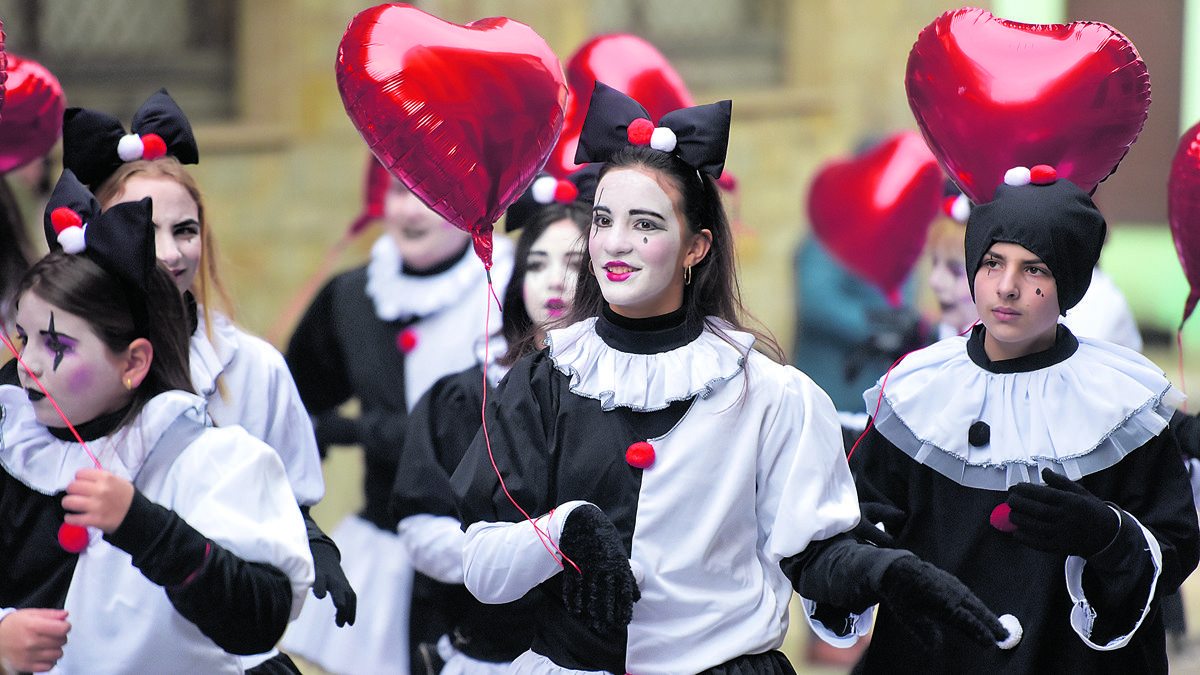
(646, 212)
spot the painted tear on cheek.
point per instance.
(1038, 291)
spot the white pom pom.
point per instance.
(72, 240)
(639, 573)
(663, 139)
(543, 189)
(1017, 176)
(1013, 626)
(960, 210)
(130, 147)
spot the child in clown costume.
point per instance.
(153, 560)
(382, 334)
(1035, 465)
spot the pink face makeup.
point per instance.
(552, 269)
(73, 364)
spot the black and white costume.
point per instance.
(748, 470)
(136, 598)
(954, 430)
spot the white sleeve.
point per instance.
(504, 561)
(435, 545)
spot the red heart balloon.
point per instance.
(32, 116)
(1183, 212)
(628, 64)
(872, 212)
(465, 116)
(990, 94)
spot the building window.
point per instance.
(111, 55)
(714, 44)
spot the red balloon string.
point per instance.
(547, 542)
(11, 348)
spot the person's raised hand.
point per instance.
(1061, 517)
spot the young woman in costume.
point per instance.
(679, 482)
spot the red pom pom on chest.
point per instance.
(640, 455)
(73, 538)
(406, 341)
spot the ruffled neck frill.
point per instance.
(647, 364)
(399, 293)
(211, 353)
(32, 454)
(1077, 408)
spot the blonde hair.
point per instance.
(207, 288)
(946, 235)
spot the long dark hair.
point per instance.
(78, 285)
(519, 331)
(714, 290)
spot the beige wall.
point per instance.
(282, 187)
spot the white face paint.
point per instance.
(178, 237)
(72, 363)
(423, 237)
(552, 268)
(639, 244)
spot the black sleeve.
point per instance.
(241, 606)
(1187, 432)
(314, 354)
(440, 428)
(519, 413)
(841, 572)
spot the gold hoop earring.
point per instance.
(687, 275)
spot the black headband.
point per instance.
(698, 135)
(95, 144)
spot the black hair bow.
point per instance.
(91, 139)
(701, 133)
(120, 240)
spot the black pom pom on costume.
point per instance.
(979, 435)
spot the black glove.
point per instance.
(327, 561)
(602, 591)
(1061, 517)
(873, 513)
(333, 429)
(924, 598)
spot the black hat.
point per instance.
(1051, 217)
(580, 187)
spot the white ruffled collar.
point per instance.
(646, 382)
(405, 296)
(35, 457)
(1077, 416)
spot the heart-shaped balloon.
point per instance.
(465, 116)
(32, 117)
(872, 212)
(628, 64)
(990, 94)
(1183, 212)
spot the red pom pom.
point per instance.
(999, 518)
(640, 131)
(153, 146)
(63, 217)
(406, 341)
(72, 538)
(1042, 174)
(565, 192)
(948, 205)
(640, 455)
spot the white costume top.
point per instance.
(260, 396)
(224, 483)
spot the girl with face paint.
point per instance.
(483, 638)
(244, 380)
(1018, 451)
(679, 481)
(155, 495)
